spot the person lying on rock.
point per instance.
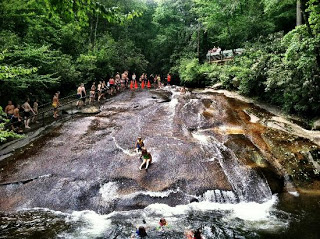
(146, 157)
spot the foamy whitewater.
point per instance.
(250, 216)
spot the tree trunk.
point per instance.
(95, 31)
(299, 13)
(91, 24)
(198, 43)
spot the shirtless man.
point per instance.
(16, 120)
(9, 109)
(55, 105)
(27, 109)
(123, 80)
(81, 94)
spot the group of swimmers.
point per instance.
(141, 231)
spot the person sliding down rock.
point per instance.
(146, 157)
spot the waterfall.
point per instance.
(246, 183)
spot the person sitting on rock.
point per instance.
(146, 157)
(139, 144)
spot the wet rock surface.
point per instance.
(199, 142)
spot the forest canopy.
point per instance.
(51, 45)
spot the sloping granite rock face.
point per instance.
(200, 142)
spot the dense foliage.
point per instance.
(281, 68)
(51, 45)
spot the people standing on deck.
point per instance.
(9, 109)
(146, 158)
(55, 105)
(27, 116)
(35, 110)
(92, 93)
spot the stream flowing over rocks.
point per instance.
(232, 159)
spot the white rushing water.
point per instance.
(246, 183)
(249, 216)
(109, 192)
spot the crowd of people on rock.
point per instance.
(21, 116)
(118, 83)
(141, 231)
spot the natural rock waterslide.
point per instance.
(205, 146)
